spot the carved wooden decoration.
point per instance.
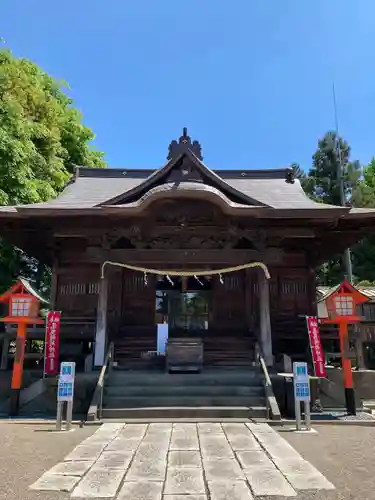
(176, 148)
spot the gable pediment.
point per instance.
(182, 172)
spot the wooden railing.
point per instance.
(273, 410)
(96, 407)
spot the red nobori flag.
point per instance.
(316, 346)
(51, 362)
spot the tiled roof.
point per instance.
(326, 291)
(92, 187)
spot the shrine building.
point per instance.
(183, 216)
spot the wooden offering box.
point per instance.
(184, 355)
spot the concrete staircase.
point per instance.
(210, 394)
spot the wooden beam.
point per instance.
(181, 257)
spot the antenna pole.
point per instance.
(340, 172)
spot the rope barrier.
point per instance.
(204, 272)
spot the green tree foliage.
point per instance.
(364, 252)
(42, 137)
(323, 185)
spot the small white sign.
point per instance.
(65, 389)
(301, 382)
(162, 338)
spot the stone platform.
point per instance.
(183, 461)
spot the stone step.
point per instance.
(199, 412)
(248, 377)
(181, 401)
(184, 390)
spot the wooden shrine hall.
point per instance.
(184, 217)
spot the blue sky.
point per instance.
(251, 79)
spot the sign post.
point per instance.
(301, 386)
(65, 394)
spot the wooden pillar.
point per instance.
(17, 375)
(265, 320)
(4, 353)
(359, 346)
(54, 285)
(101, 323)
(248, 301)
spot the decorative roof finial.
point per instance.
(184, 143)
(289, 176)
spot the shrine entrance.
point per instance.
(185, 304)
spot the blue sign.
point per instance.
(301, 382)
(301, 371)
(302, 390)
(65, 388)
(65, 391)
(67, 370)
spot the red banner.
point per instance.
(316, 346)
(51, 362)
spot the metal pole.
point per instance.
(307, 415)
(69, 415)
(347, 256)
(297, 409)
(59, 415)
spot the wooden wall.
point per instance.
(229, 302)
(77, 290)
(138, 300)
(235, 302)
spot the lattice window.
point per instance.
(293, 287)
(21, 306)
(231, 282)
(367, 310)
(94, 288)
(133, 282)
(344, 305)
(80, 288)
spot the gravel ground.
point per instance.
(344, 454)
(27, 451)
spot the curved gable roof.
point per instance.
(160, 177)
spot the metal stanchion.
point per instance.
(69, 415)
(67, 408)
(59, 415)
(307, 415)
(297, 407)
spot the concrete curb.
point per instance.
(358, 423)
(272, 423)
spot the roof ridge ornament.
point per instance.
(184, 143)
(289, 176)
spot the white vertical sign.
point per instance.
(65, 390)
(162, 338)
(301, 382)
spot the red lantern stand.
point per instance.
(341, 307)
(23, 309)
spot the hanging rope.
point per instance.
(204, 272)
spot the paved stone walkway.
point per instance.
(181, 461)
